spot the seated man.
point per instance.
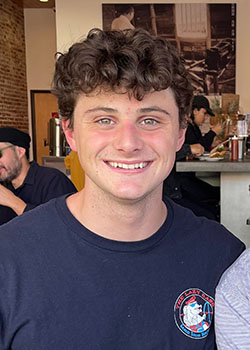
(25, 185)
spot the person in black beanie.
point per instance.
(24, 184)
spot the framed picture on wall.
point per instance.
(204, 35)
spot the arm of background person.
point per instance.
(54, 187)
(8, 199)
(208, 139)
(232, 306)
(187, 150)
(194, 136)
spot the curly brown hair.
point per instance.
(131, 61)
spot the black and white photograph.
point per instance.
(204, 35)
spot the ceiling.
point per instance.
(35, 3)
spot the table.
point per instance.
(234, 189)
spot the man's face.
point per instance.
(200, 116)
(10, 164)
(126, 147)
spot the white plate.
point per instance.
(213, 159)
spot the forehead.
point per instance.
(4, 144)
(123, 101)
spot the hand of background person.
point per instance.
(217, 128)
(8, 199)
(197, 149)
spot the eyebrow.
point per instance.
(103, 109)
(141, 110)
(153, 109)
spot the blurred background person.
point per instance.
(172, 187)
(125, 16)
(192, 186)
(185, 188)
(200, 111)
(24, 184)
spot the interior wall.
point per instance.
(76, 17)
(40, 41)
(13, 88)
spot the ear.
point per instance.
(181, 139)
(69, 134)
(195, 111)
(20, 151)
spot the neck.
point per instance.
(18, 181)
(119, 220)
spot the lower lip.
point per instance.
(129, 171)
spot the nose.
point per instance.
(128, 138)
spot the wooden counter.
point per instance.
(234, 188)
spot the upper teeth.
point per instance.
(128, 166)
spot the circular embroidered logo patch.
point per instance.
(193, 313)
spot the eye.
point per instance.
(105, 121)
(149, 122)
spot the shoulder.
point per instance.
(238, 274)
(42, 221)
(27, 219)
(46, 170)
(49, 175)
(208, 236)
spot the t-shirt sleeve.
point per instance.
(232, 306)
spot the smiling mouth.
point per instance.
(140, 165)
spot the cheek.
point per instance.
(93, 142)
(162, 142)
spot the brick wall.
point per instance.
(13, 84)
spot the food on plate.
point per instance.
(218, 152)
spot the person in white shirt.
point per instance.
(123, 22)
(232, 306)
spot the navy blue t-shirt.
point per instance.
(64, 287)
(40, 185)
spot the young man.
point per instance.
(24, 184)
(113, 266)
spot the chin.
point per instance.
(128, 196)
(131, 194)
